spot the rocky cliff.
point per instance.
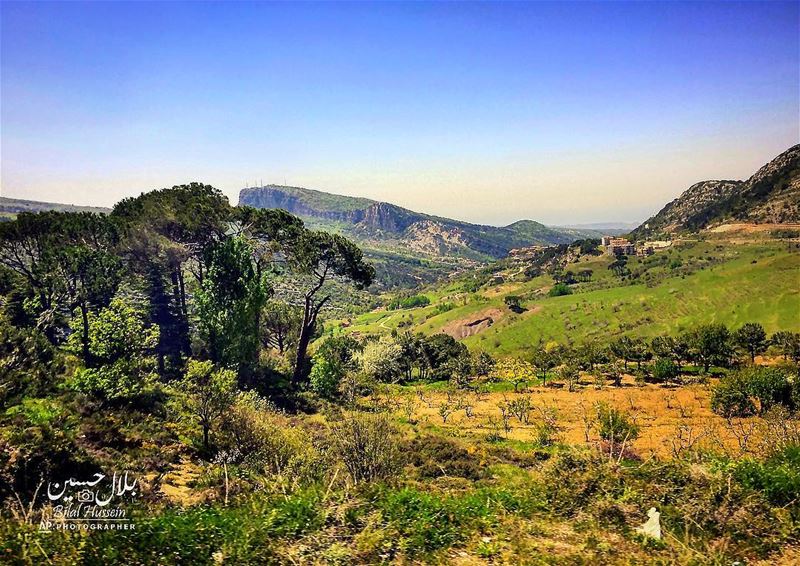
(771, 195)
(390, 225)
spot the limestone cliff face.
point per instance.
(430, 237)
(400, 229)
(387, 217)
(771, 195)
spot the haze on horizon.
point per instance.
(559, 112)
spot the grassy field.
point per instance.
(697, 282)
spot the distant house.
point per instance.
(606, 240)
(620, 246)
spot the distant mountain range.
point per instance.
(410, 247)
(390, 226)
(10, 207)
(607, 228)
(771, 195)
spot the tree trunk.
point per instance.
(300, 357)
(85, 336)
(205, 437)
(182, 289)
(306, 331)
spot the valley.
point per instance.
(452, 394)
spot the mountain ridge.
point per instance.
(382, 222)
(770, 195)
(10, 207)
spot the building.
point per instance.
(659, 244)
(606, 240)
(620, 246)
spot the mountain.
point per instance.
(10, 207)
(771, 195)
(388, 226)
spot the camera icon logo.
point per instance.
(85, 496)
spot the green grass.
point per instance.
(756, 282)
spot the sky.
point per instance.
(487, 112)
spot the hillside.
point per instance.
(771, 195)
(717, 279)
(387, 226)
(10, 207)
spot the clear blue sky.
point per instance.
(489, 112)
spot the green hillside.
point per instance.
(322, 201)
(388, 226)
(696, 282)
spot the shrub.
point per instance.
(409, 302)
(547, 431)
(265, 442)
(777, 477)
(296, 515)
(615, 425)
(665, 370)
(444, 307)
(434, 456)
(559, 290)
(428, 522)
(513, 302)
(325, 377)
(366, 445)
(120, 343)
(769, 386)
(731, 397)
(735, 393)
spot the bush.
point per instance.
(513, 302)
(428, 522)
(769, 386)
(731, 397)
(777, 477)
(444, 307)
(265, 442)
(736, 393)
(325, 377)
(434, 456)
(409, 302)
(367, 446)
(296, 515)
(615, 425)
(665, 370)
(559, 290)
